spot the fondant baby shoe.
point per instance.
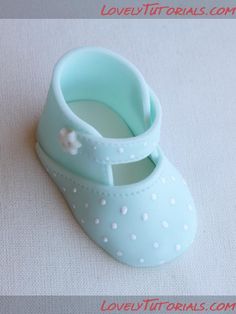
(98, 139)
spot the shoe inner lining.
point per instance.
(110, 124)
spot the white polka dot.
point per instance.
(132, 156)
(172, 201)
(63, 189)
(133, 236)
(145, 144)
(173, 178)
(119, 253)
(178, 247)
(54, 174)
(161, 262)
(94, 147)
(154, 196)
(163, 180)
(124, 210)
(190, 207)
(74, 190)
(186, 227)
(141, 260)
(145, 216)
(103, 202)
(184, 182)
(96, 221)
(156, 245)
(86, 205)
(82, 221)
(114, 225)
(165, 224)
(105, 239)
(73, 206)
(107, 158)
(121, 150)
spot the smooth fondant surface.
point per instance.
(146, 223)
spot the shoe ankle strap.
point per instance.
(79, 76)
(120, 151)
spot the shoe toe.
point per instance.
(144, 224)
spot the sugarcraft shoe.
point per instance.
(98, 138)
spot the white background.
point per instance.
(191, 65)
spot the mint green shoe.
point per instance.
(98, 138)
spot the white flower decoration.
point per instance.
(69, 141)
